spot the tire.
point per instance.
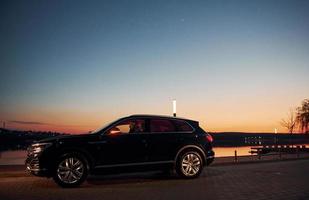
(189, 164)
(71, 170)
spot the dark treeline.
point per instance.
(15, 140)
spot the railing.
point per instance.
(277, 151)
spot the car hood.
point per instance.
(66, 137)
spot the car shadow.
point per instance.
(146, 177)
(139, 177)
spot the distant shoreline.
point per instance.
(20, 140)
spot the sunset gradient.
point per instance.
(72, 66)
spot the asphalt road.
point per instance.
(274, 180)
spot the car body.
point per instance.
(133, 143)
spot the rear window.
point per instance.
(161, 125)
(182, 126)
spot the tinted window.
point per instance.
(161, 125)
(128, 126)
(182, 125)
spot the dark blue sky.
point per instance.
(112, 58)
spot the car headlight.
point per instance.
(39, 147)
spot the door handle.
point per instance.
(98, 142)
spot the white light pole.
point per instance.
(174, 107)
(276, 131)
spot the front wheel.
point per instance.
(71, 170)
(189, 164)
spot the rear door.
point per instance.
(162, 140)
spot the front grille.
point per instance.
(32, 160)
(33, 163)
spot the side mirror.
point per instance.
(114, 131)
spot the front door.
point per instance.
(123, 143)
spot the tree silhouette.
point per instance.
(302, 117)
(290, 121)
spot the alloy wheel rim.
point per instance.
(190, 164)
(70, 170)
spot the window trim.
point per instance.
(192, 128)
(160, 119)
(147, 123)
(172, 121)
(123, 120)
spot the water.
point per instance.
(13, 157)
(230, 151)
(18, 157)
(241, 150)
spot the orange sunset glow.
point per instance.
(215, 116)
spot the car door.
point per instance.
(162, 140)
(123, 143)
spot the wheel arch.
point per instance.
(192, 147)
(84, 153)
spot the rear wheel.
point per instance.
(189, 164)
(71, 170)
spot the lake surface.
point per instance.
(18, 157)
(13, 157)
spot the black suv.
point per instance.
(134, 143)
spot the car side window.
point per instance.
(182, 126)
(161, 125)
(128, 126)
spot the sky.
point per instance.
(72, 66)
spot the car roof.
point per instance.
(161, 116)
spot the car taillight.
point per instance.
(209, 137)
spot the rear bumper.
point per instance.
(210, 156)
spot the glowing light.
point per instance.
(174, 107)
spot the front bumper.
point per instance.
(33, 167)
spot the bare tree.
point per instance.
(303, 116)
(290, 121)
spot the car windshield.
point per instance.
(102, 127)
